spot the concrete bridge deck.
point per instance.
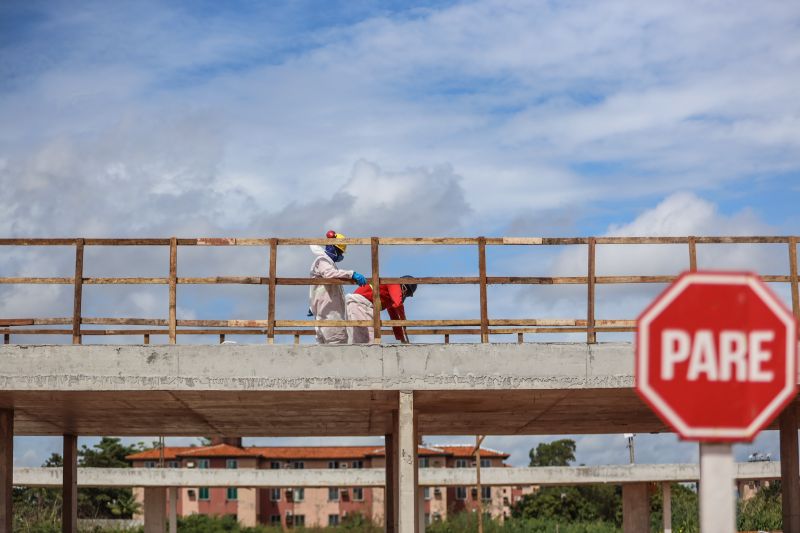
(273, 390)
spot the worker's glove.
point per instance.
(359, 278)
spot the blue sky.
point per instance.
(490, 117)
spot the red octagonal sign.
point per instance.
(716, 356)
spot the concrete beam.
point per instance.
(635, 508)
(69, 485)
(6, 469)
(315, 368)
(375, 477)
(155, 509)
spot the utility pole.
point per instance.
(477, 452)
(630, 436)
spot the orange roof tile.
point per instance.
(314, 452)
(220, 450)
(170, 452)
(466, 450)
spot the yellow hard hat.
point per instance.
(333, 235)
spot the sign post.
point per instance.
(716, 360)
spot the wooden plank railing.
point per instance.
(483, 326)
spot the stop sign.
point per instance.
(716, 356)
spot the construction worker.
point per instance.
(326, 302)
(359, 307)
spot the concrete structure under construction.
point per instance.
(399, 392)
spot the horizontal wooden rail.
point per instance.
(272, 327)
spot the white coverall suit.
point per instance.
(327, 301)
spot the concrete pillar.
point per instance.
(389, 522)
(247, 507)
(173, 510)
(69, 487)
(635, 508)
(6, 468)
(666, 498)
(790, 470)
(155, 509)
(407, 471)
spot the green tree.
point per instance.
(685, 510)
(763, 511)
(557, 453)
(105, 502)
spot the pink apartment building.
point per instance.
(290, 507)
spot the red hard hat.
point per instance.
(331, 234)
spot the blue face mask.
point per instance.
(334, 253)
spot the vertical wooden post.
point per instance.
(6, 469)
(793, 276)
(69, 511)
(447, 338)
(6, 338)
(693, 254)
(147, 338)
(591, 335)
(520, 338)
(666, 499)
(478, 443)
(376, 290)
(790, 468)
(297, 338)
(273, 275)
(221, 338)
(482, 274)
(78, 293)
(173, 290)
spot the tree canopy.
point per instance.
(557, 453)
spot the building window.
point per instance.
(427, 519)
(299, 519)
(299, 494)
(202, 463)
(233, 464)
(424, 462)
(486, 493)
(174, 464)
(358, 464)
(427, 493)
(461, 493)
(203, 493)
(486, 463)
(358, 494)
(333, 464)
(233, 493)
(274, 465)
(275, 495)
(299, 465)
(333, 494)
(149, 464)
(275, 520)
(461, 463)
(333, 519)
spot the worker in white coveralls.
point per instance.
(326, 302)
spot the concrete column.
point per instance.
(6, 468)
(173, 510)
(635, 508)
(247, 507)
(69, 487)
(790, 470)
(407, 508)
(155, 509)
(389, 524)
(666, 498)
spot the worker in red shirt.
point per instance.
(359, 307)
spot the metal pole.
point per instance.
(717, 505)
